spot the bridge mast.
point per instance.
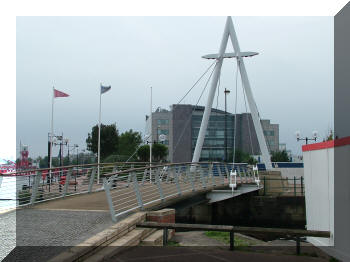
(230, 31)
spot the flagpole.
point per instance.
(99, 137)
(151, 140)
(51, 136)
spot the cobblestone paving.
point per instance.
(58, 227)
(7, 233)
(42, 234)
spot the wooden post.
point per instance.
(298, 245)
(232, 240)
(165, 236)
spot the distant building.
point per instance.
(181, 126)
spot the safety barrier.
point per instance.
(136, 188)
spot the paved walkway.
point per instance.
(7, 233)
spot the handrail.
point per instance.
(238, 229)
(297, 233)
(72, 166)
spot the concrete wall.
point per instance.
(247, 210)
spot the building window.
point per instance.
(163, 122)
(269, 133)
(163, 132)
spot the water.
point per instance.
(9, 185)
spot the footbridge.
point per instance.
(125, 187)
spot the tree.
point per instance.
(242, 157)
(159, 151)
(143, 153)
(109, 140)
(280, 156)
(129, 142)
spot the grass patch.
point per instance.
(173, 243)
(225, 238)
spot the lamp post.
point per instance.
(314, 137)
(226, 91)
(76, 146)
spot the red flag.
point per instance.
(59, 94)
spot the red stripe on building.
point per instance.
(328, 144)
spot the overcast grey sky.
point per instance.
(291, 78)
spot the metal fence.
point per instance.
(138, 188)
(283, 186)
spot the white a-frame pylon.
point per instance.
(230, 32)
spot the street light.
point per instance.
(76, 146)
(314, 137)
(226, 91)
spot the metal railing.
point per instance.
(283, 186)
(128, 186)
(137, 188)
(27, 187)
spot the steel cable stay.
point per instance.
(145, 139)
(205, 72)
(194, 108)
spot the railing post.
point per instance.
(226, 169)
(137, 190)
(92, 178)
(129, 176)
(176, 178)
(191, 177)
(211, 173)
(232, 240)
(302, 185)
(201, 171)
(66, 184)
(144, 176)
(220, 174)
(156, 177)
(35, 188)
(107, 187)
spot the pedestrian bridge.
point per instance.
(122, 188)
